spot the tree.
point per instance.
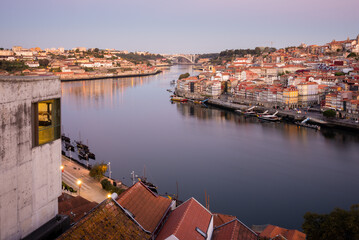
(330, 113)
(339, 74)
(339, 224)
(353, 55)
(44, 62)
(185, 75)
(98, 171)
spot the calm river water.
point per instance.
(260, 172)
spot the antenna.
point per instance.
(177, 189)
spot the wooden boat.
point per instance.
(179, 99)
(69, 147)
(65, 139)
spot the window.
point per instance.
(46, 121)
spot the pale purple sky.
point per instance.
(169, 26)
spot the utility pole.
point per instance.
(109, 169)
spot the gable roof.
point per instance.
(147, 208)
(234, 230)
(184, 220)
(74, 207)
(107, 221)
(220, 219)
(272, 231)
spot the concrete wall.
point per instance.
(30, 178)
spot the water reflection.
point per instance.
(289, 131)
(102, 92)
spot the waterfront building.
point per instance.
(307, 94)
(290, 97)
(30, 153)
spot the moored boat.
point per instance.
(270, 117)
(179, 99)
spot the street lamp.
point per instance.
(79, 182)
(62, 168)
(109, 195)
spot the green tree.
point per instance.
(352, 55)
(98, 171)
(330, 113)
(184, 75)
(339, 74)
(339, 224)
(44, 62)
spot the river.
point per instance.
(260, 172)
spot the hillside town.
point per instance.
(77, 63)
(306, 76)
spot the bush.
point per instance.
(185, 75)
(106, 184)
(329, 113)
(68, 188)
(98, 170)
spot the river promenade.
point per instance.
(90, 188)
(224, 102)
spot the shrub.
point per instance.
(98, 170)
(329, 113)
(68, 188)
(106, 184)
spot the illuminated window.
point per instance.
(46, 121)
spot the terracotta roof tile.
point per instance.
(107, 221)
(220, 219)
(147, 208)
(74, 207)
(234, 230)
(184, 220)
(272, 231)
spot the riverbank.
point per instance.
(288, 115)
(107, 75)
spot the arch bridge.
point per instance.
(190, 57)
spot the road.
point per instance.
(90, 188)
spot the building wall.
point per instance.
(30, 177)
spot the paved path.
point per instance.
(90, 188)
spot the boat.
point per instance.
(307, 125)
(249, 112)
(82, 146)
(263, 113)
(169, 90)
(149, 185)
(69, 147)
(270, 117)
(65, 139)
(179, 99)
(91, 155)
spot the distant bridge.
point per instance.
(190, 57)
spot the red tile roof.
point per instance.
(272, 231)
(107, 221)
(147, 208)
(74, 207)
(220, 219)
(234, 230)
(184, 220)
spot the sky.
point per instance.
(175, 26)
